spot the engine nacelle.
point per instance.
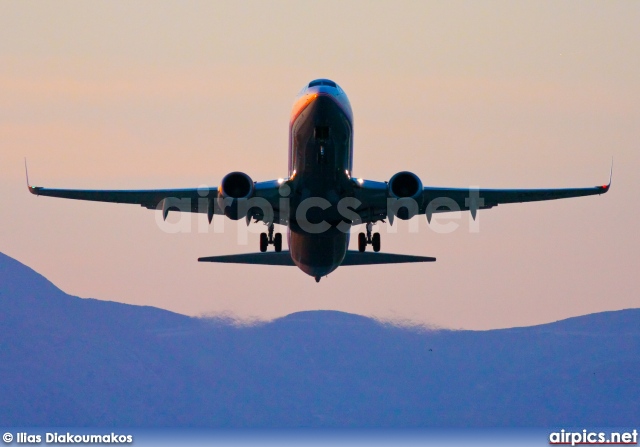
(406, 187)
(234, 186)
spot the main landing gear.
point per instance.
(364, 240)
(270, 238)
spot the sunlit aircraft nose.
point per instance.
(321, 90)
(324, 90)
(323, 83)
(322, 87)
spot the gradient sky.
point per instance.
(146, 94)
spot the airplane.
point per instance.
(320, 200)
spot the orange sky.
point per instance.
(177, 94)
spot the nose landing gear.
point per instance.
(269, 238)
(364, 240)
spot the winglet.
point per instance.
(32, 190)
(606, 187)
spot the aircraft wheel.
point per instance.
(362, 242)
(375, 241)
(277, 242)
(264, 242)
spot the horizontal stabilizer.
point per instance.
(268, 258)
(284, 258)
(368, 257)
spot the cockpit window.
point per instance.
(322, 82)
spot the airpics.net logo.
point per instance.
(585, 437)
(67, 438)
(443, 215)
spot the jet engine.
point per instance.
(406, 188)
(233, 188)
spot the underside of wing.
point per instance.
(187, 198)
(375, 201)
(440, 199)
(465, 198)
(194, 200)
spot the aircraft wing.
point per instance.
(148, 198)
(374, 198)
(440, 199)
(195, 200)
(352, 257)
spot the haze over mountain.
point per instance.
(67, 361)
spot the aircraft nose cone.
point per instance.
(322, 103)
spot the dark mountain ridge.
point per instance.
(66, 361)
